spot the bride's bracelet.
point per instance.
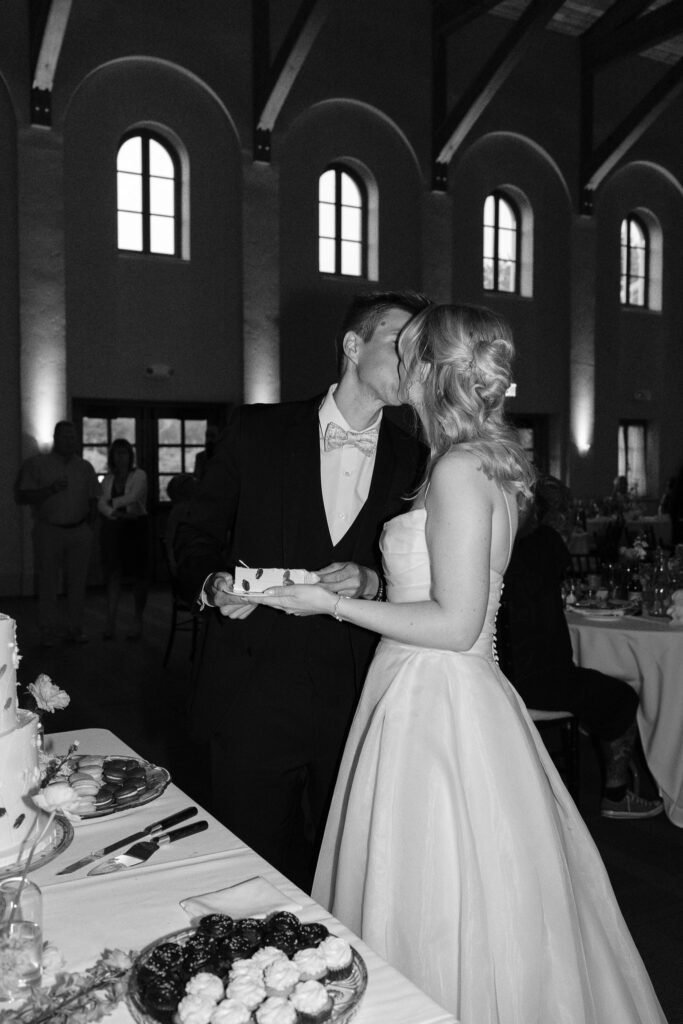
(335, 610)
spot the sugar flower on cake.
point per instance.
(57, 796)
(47, 696)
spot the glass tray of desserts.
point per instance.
(107, 784)
(277, 968)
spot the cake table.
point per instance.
(132, 908)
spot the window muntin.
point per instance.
(179, 441)
(501, 244)
(342, 223)
(98, 433)
(148, 196)
(635, 257)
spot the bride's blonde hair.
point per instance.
(463, 357)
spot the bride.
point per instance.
(452, 847)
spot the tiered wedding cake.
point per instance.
(19, 772)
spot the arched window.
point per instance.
(501, 244)
(635, 262)
(148, 195)
(342, 223)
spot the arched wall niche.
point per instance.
(540, 317)
(639, 356)
(134, 310)
(313, 304)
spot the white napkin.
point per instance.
(255, 897)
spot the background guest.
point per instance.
(62, 490)
(180, 490)
(124, 534)
(210, 438)
(536, 653)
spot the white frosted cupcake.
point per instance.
(312, 1002)
(231, 1011)
(276, 1010)
(338, 956)
(311, 964)
(248, 990)
(281, 977)
(268, 955)
(239, 968)
(207, 985)
(195, 1009)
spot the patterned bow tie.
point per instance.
(337, 437)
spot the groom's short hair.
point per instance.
(365, 312)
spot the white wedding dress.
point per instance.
(452, 846)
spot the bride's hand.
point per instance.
(298, 599)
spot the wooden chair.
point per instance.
(184, 616)
(566, 754)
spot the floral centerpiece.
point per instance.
(74, 997)
(638, 552)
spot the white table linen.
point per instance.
(84, 915)
(648, 654)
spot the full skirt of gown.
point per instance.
(453, 848)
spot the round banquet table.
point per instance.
(648, 654)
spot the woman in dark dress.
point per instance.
(124, 534)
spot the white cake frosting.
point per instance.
(19, 772)
(255, 581)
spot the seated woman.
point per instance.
(124, 534)
(536, 653)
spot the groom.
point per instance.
(302, 485)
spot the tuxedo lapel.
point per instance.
(304, 524)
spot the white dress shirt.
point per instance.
(345, 473)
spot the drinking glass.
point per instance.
(21, 936)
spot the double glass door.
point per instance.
(166, 438)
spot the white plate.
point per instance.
(600, 613)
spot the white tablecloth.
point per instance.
(648, 654)
(84, 915)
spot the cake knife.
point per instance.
(142, 851)
(156, 826)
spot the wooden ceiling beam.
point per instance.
(450, 17)
(46, 63)
(640, 33)
(273, 82)
(621, 12)
(608, 153)
(450, 134)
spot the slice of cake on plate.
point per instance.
(255, 581)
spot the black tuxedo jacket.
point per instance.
(261, 502)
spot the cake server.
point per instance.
(156, 826)
(142, 851)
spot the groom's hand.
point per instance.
(219, 594)
(349, 579)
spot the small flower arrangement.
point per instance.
(47, 696)
(74, 998)
(638, 552)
